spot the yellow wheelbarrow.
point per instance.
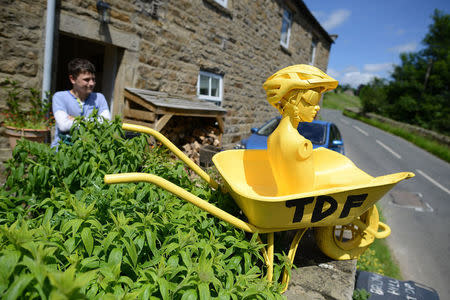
(340, 207)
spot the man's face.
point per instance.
(84, 83)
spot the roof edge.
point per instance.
(310, 16)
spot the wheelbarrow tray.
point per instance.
(341, 191)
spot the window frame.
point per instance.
(314, 44)
(216, 99)
(288, 21)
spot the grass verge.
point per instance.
(340, 101)
(378, 259)
(429, 145)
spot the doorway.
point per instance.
(106, 59)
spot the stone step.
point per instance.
(319, 277)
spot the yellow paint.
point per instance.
(290, 91)
(249, 179)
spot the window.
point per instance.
(314, 132)
(210, 87)
(335, 135)
(222, 2)
(269, 127)
(286, 28)
(313, 51)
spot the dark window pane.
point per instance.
(269, 127)
(204, 85)
(314, 132)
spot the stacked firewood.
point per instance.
(201, 137)
(191, 135)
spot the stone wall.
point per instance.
(240, 43)
(21, 49)
(166, 52)
(440, 138)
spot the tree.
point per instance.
(373, 96)
(419, 92)
(358, 89)
(420, 84)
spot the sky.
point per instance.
(372, 34)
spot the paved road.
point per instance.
(420, 238)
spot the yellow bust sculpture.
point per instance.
(295, 91)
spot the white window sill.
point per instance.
(224, 10)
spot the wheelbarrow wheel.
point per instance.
(343, 242)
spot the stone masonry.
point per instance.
(164, 44)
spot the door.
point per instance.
(105, 58)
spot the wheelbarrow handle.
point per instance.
(166, 142)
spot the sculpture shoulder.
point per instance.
(304, 149)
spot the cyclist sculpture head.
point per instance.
(295, 91)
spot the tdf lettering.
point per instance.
(318, 212)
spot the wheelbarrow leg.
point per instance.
(270, 256)
(291, 255)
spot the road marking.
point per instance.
(345, 121)
(389, 149)
(433, 181)
(360, 130)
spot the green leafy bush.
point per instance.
(35, 116)
(360, 294)
(64, 234)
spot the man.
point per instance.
(80, 100)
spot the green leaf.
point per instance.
(88, 240)
(163, 288)
(115, 257)
(70, 245)
(48, 215)
(8, 262)
(187, 260)
(234, 262)
(127, 280)
(230, 280)
(169, 248)
(131, 249)
(35, 267)
(74, 224)
(189, 295)
(90, 263)
(108, 240)
(247, 262)
(17, 287)
(203, 291)
(173, 261)
(96, 224)
(151, 240)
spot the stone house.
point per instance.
(219, 51)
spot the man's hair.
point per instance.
(80, 65)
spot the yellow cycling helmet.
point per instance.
(303, 77)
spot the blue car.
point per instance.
(320, 133)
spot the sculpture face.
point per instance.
(308, 105)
